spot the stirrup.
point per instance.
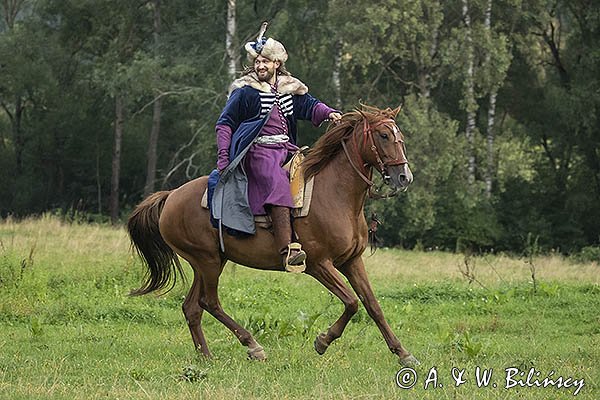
(294, 263)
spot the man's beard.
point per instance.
(265, 76)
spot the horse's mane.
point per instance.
(328, 145)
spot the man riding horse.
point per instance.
(256, 133)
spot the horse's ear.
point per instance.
(396, 110)
(361, 110)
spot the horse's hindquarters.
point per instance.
(185, 225)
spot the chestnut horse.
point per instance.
(334, 234)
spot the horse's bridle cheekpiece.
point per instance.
(400, 159)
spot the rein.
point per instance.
(368, 136)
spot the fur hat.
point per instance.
(269, 48)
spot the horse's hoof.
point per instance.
(321, 344)
(409, 361)
(257, 353)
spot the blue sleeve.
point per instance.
(232, 114)
(303, 106)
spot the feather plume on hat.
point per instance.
(269, 48)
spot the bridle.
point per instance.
(400, 158)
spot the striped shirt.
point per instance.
(267, 100)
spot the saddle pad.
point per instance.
(294, 167)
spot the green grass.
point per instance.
(68, 330)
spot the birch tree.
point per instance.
(494, 70)
(470, 103)
(156, 110)
(233, 56)
(491, 111)
(116, 159)
(336, 73)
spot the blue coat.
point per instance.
(247, 110)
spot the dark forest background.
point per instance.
(103, 102)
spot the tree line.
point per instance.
(103, 102)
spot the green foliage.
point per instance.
(36, 327)
(11, 271)
(461, 342)
(64, 61)
(589, 254)
(192, 374)
(13, 268)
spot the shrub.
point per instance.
(588, 254)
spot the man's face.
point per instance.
(265, 68)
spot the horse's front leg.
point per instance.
(355, 271)
(326, 273)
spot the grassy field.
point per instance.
(68, 330)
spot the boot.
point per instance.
(292, 254)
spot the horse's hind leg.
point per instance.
(209, 300)
(326, 273)
(193, 313)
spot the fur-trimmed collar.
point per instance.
(285, 84)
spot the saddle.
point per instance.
(301, 190)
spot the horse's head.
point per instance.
(380, 144)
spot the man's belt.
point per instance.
(272, 139)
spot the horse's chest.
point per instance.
(343, 238)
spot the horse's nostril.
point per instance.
(403, 179)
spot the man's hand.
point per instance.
(335, 117)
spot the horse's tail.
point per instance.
(161, 261)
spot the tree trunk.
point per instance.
(491, 137)
(471, 104)
(18, 137)
(58, 186)
(591, 154)
(149, 187)
(335, 76)
(11, 10)
(116, 160)
(98, 182)
(425, 67)
(232, 54)
(17, 133)
(157, 110)
(491, 111)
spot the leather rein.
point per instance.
(400, 159)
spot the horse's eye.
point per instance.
(383, 135)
